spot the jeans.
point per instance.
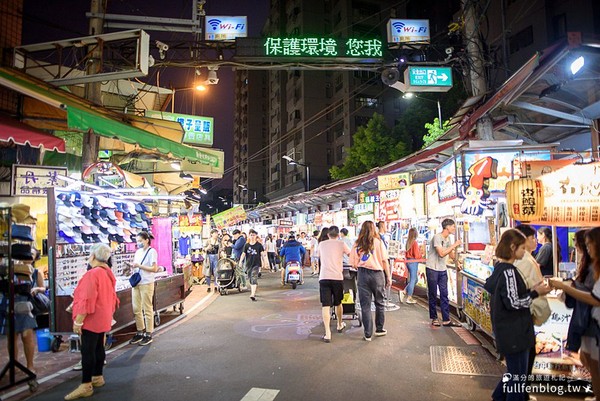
(412, 277)
(371, 283)
(438, 279)
(516, 366)
(92, 355)
(272, 260)
(143, 310)
(212, 267)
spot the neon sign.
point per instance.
(322, 47)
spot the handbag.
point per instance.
(41, 304)
(137, 277)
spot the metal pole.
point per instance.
(173, 101)
(440, 113)
(307, 178)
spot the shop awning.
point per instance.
(83, 115)
(13, 131)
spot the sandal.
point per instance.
(326, 340)
(451, 324)
(341, 329)
(435, 322)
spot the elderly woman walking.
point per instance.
(94, 302)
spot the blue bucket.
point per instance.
(44, 340)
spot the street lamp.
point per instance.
(293, 162)
(410, 95)
(199, 88)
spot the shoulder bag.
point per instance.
(137, 277)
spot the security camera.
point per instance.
(162, 46)
(212, 78)
(449, 50)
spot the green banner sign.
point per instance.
(430, 76)
(198, 130)
(323, 47)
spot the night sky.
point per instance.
(45, 21)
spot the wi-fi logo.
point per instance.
(398, 26)
(214, 23)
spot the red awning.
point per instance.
(18, 133)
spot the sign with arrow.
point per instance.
(430, 76)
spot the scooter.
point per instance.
(293, 274)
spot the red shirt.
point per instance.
(414, 252)
(96, 297)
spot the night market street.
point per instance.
(234, 346)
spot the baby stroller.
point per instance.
(350, 303)
(227, 275)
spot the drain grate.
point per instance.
(470, 360)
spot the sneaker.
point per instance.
(146, 340)
(253, 299)
(78, 366)
(137, 338)
(367, 338)
(410, 300)
(208, 289)
(380, 333)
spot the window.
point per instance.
(329, 157)
(338, 130)
(339, 82)
(559, 26)
(339, 153)
(368, 102)
(521, 40)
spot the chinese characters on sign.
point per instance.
(322, 47)
(197, 130)
(35, 180)
(229, 217)
(393, 181)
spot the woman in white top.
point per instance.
(271, 252)
(145, 261)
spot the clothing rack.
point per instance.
(7, 285)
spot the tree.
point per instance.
(373, 146)
(434, 131)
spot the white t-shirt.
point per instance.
(331, 253)
(270, 245)
(151, 258)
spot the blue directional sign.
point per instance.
(430, 76)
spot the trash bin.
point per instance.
(44, 340)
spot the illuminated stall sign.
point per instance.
(368, 197)
(446, 180)
(572, 196)
(35, 180)
(389, 205)
(412, 201)
(361, 209)
(414, 31)
(225, 28)
(475, 190)
(322, 47)
(197, 130)
(229, 217)
(393, 181)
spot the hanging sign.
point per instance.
(361, 209)
(229, 217)
(475, 192)
(368, 197)
(393, 181)
(413, 31)
(35, 180)
(322, 47)
(525, 199)
(198, 130)
(225, 28)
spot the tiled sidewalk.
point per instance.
(56, 367)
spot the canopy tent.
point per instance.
(12, 131)
(82, 115)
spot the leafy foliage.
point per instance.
(434, 131)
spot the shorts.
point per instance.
(252, 273)
(332, 292)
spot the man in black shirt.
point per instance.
(252, 254)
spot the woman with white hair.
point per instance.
(94, 303)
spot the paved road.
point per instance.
(236, 345)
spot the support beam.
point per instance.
(553, 113)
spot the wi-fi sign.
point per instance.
(214, 23)
(398, 26)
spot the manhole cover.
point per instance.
(474, 361)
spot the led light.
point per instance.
(577, 65)
(176, 165)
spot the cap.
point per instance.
(21, 232)
(65, 198)
(105, 202)
(131, 208)
(66, 230)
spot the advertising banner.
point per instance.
(229, 217)
(572, 196)
(446, 180)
